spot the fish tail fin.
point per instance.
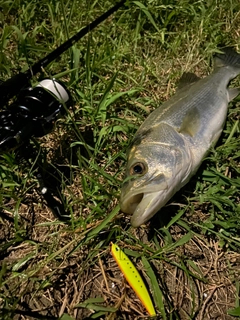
(229, 57)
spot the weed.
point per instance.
(117, 74)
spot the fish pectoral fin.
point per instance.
(233, 93)
(186, 79)
(191, 123)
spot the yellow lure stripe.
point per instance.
(133, 277)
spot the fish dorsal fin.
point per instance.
(186, 79)
(191, 123)
(229, 57)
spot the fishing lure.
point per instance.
(133, 277)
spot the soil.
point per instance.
(198, 279)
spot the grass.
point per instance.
(189, 254)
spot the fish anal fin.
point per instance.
(233, 93)
(186, 79)
(191, 123)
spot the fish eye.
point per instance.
(138, 168)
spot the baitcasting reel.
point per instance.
(33, 114)
(35, 110)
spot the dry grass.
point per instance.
(49, 269)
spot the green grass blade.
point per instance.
(103, 224)
(156, 291)
(147, 13)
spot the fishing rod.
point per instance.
(12, 86)
(36, 109)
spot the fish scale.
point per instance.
(171, 143)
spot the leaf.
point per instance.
(234, 312)
(94, 232)
(90, 304)
(10, 184)
(156, 291)
(176, 218)
(195, 267)
(66, 317)
(118, 95)
(97, 315)
(94, 300)
(23, 261)
(181, 241)
(147, 13)
(102, 106)
(103, 224)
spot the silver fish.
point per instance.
(171, 143)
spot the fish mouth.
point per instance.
(142, 206)
(143, 202)
(129, 204)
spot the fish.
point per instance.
(172, 142)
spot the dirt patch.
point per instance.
(198, 279)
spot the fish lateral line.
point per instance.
(176, 137)
(133, 278)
